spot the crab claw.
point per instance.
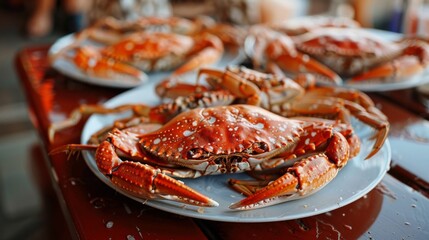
(135, 178)
(145, 181)
(139, 179)
(300, 181)
(305, 177)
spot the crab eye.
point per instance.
(259, 147)
(197, 153)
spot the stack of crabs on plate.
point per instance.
(287, 119)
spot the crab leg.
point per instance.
(294, 62)
(306, 177)
(208, 49)
(236, 84)
(339, 103)
(305, 80)
(85, 110)
(274, 85)
(348, 94)
(247, 187)
(173, 87)
(341, 109)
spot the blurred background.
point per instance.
(23, 213)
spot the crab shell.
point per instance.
(297, 26)
(346, 51)
(227, 139)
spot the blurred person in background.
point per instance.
(41, 20)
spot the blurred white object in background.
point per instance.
(423, 20)
(128, 9)
(278, 10)
(138, 8)
(247, 12)
(416, 20)
(341, 8)
(242, 12)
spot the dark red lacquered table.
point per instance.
(397, 208)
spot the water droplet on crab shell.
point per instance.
(188, 133)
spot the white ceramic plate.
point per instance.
(347, 187)
(68, 68)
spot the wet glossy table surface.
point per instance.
(397, 208)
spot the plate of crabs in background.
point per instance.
(348, 186)
(346, 55)
(421, 77)
(124, 54)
